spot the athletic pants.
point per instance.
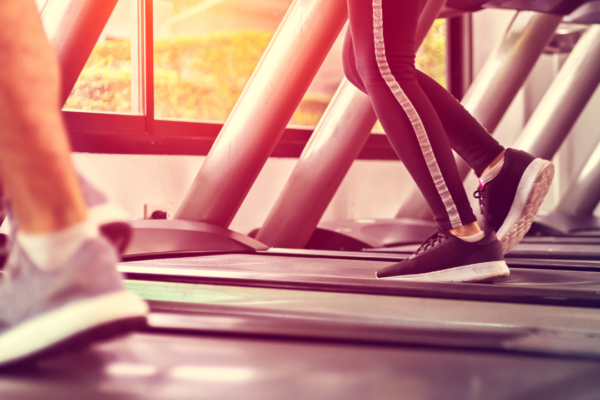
(420, 118)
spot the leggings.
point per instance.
(420, 118)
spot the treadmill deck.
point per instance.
(174, 366)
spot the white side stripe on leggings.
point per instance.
(411, 112)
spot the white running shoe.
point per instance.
(83, 301)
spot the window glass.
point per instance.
(105, 82)
(431, 57)
(323, 87)
(205, 52)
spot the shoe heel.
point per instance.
(533, 188)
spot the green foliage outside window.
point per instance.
(431, 57)
(105, 82)
(201, 77)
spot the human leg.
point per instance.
(406, 114)
(35, 162)
(509, 206)
(385, 66)
(466, 135)
(60, 282)
(349, 62)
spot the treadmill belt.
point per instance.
(360, 269)
(556, 250)
(577, 280)
(153, 366)
(358, 276)
(549, 249)
(561, 240)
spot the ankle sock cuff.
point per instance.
(50, 251)
(473, 238)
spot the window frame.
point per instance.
(142, 133)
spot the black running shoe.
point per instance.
(510, 201)
(446, 258)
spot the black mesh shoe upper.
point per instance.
(497, 196)
(444, 251)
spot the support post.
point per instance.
(338, 139)
(497, 84)
(565, 99)
(263, 111)
(73, 27)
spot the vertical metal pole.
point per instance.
(565, 99)
(73, 27)
(497, 84)
(459, 55)
(505, 71)
(142, 61)
(429, 14)
(263, 111)
(338, 139)
(148, 13)
(138, 51)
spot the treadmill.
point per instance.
(542, 136)
(224, 350)
(268, 341)
(232, 166)
(302, 306)
(233, 158)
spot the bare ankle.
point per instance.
(493, 163)
(466, 230)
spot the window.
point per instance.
(105, 82)
(172, 94)
(205, 52)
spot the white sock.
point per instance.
(52, 250)
(473, 238)
(492, 173)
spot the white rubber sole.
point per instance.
(49, 329)
(465, 273)
(532, 190)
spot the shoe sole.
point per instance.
(72, 326)
(466, 273)
(532, 190)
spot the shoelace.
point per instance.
(480, 195)
(437, 237)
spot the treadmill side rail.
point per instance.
(161, 237)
